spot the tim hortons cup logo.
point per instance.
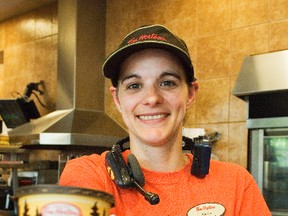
(60, 209)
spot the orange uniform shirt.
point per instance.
(227, 190)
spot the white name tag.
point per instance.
(204, 209)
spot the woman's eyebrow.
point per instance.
(130, 76)
(169, 73)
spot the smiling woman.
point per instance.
(153, 86)
(158, 97)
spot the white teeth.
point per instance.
(152, 117)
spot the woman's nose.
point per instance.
(152, 96)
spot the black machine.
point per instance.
(130, 175)
(16, 112)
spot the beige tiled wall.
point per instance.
(219, 34)
(29, 46)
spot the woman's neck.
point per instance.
(162, 158)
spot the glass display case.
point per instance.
(275, 172)
(269, 166)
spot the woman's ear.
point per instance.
(113, 91)
(192, 91)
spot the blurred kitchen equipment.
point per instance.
(16, 112)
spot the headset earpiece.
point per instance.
(122, 173)
(117, 168)
(136, 170)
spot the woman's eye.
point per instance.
(168, 83)
(134, 86)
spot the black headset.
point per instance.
(130, 175)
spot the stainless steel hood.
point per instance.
(79, 118)
(263, 84)
(263, 73)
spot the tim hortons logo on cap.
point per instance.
(152, 36)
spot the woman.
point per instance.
(153, 85)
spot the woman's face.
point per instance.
(153, 96)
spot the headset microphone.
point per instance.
(138, 181)
(152, 198)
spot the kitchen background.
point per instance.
(218, 33)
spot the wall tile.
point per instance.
(213, 56)
(248, 41)
(19, 30)
(2, 36)
(15, 86)
(181, 16)
(213, 16)
(237, 106)
(1, 72)
(152, 13)
(45, 52)
(279, 9)
(237, 147)
(26, 27)
(212, 101)
(110, 107)
(43, 21)
(45, 67)
(1, 85)
(189, 120)
(121, 26)
(279, 32)
(2, 45)
(11, 29)
(247, 12)
(54, 8)
(19, 60)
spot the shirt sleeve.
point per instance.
(253, 202)
(86, 172)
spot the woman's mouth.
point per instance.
(152, 117)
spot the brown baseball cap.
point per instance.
(152, 36)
